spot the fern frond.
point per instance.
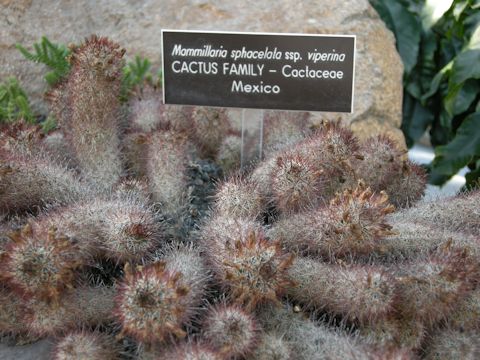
(52, 55)
(135, 73)
(14, 103)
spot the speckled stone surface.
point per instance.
(40, 350)
(137, 26)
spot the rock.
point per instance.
(136, 25)
(40, 350)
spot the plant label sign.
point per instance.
(259, 70)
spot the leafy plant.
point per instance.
(134, 74)
(14, 103)
(55, 56)
(440, 47)
(49, 124)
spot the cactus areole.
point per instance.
(259, 70)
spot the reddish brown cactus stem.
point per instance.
(283, 129)
(353, 223)
(41, 262)
(251, 269)
(239, 198)
(458, 213)
(34, 180)
(168, 156)
(360, 293)
(430, 289)
(87, 345)
(211, 126)
(230, 331)
(11, 315)
(81, 308)
(90, 121)
(149, 304)
(156, 303)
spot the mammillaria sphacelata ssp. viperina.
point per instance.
(120, 238)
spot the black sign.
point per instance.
(259, 70)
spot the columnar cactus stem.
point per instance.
(150, 304)
(282, 129)
(360, 293)
(229, 154)
(459, 213)
(353, 223)
(311, 172)
(156, 302)
(411, 239)
(65, 238)
(28, 181)
(168, 156)
(272, 347)
(395, 332)
(297, 183)
(466, 315)
(92, 122)
(430, 289)
(250, 268)
(41, 262)
(385, 168)
(380, 154)
(312, 340)
(450, 344)
(189, 350)
(211, 126)
(78, 309)
(231, 331)
(87, 346)
(239, 199)
(405, 184)
(147, 113)
(11, 315)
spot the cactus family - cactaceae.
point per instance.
(304, 255)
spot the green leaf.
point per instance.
(461, 97)
(466, 66)
(416, 119)
(436, 81)
(406, 27)
(460, 151)
(49, 124)
(14, 102)
(135, 74)
(52, 55)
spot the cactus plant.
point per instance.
(230, 331)
(87, 345)
(119, 223)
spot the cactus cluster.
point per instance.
(120, 238)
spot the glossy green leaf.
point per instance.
(461, 150)
(416, 119)
(466, 66)
(459, 99)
